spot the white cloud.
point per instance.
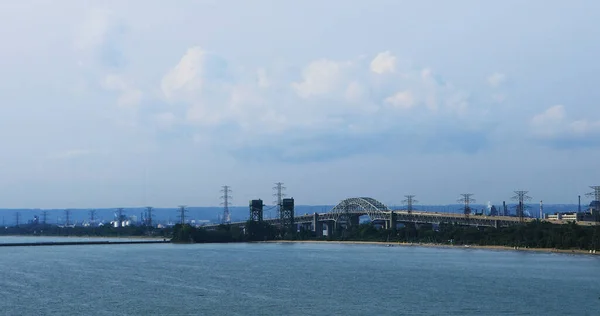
(332, 96)
(263, 80)
(129, 96)
(384, 62)
(354, 92)
(456, 102)
(553, 123)
(496, 79)
(320, 77)
(95, 29)
(98, 40)
(204, 115)
(584, 128)
(427, 75)
(549, 122)
(186, 77)
(403, 100)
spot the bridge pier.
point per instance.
(330, 225)
(317, 225)
(391, 224)
(306, 226)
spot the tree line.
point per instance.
(535, 234)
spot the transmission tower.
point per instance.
(44, 217)
(149, 210)
(92, 216)
(521, 197)
(410, 200)
(67, 217)
(596, 194)
(595, 211)
(279, 188)
(182, 210)
(120, 217)
(17, 218)
(466, 199)
(226, 219)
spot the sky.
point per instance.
(132, 103)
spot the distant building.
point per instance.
(591, 215)
(493, 211)
(595, 207)
(572, 216)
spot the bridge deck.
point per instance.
(418, 217)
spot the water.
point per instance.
(293, 279)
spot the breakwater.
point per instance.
(82, 243)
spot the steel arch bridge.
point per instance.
(360, 206)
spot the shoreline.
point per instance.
(393, 244)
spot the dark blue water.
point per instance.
(293, 279)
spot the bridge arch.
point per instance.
(360, 206)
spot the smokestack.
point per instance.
(541, 209)
(504, 208)
(579, 207)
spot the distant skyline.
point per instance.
(133, 103)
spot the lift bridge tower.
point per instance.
(286, 215)
(256, 210)
(285, 208)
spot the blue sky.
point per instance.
(126, 103)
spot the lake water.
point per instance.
(293, 279)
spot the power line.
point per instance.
(17, 218)
(226, 198)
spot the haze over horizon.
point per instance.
(137, 103)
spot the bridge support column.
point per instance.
(330, 227)
(317, 225)
(392, 222)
